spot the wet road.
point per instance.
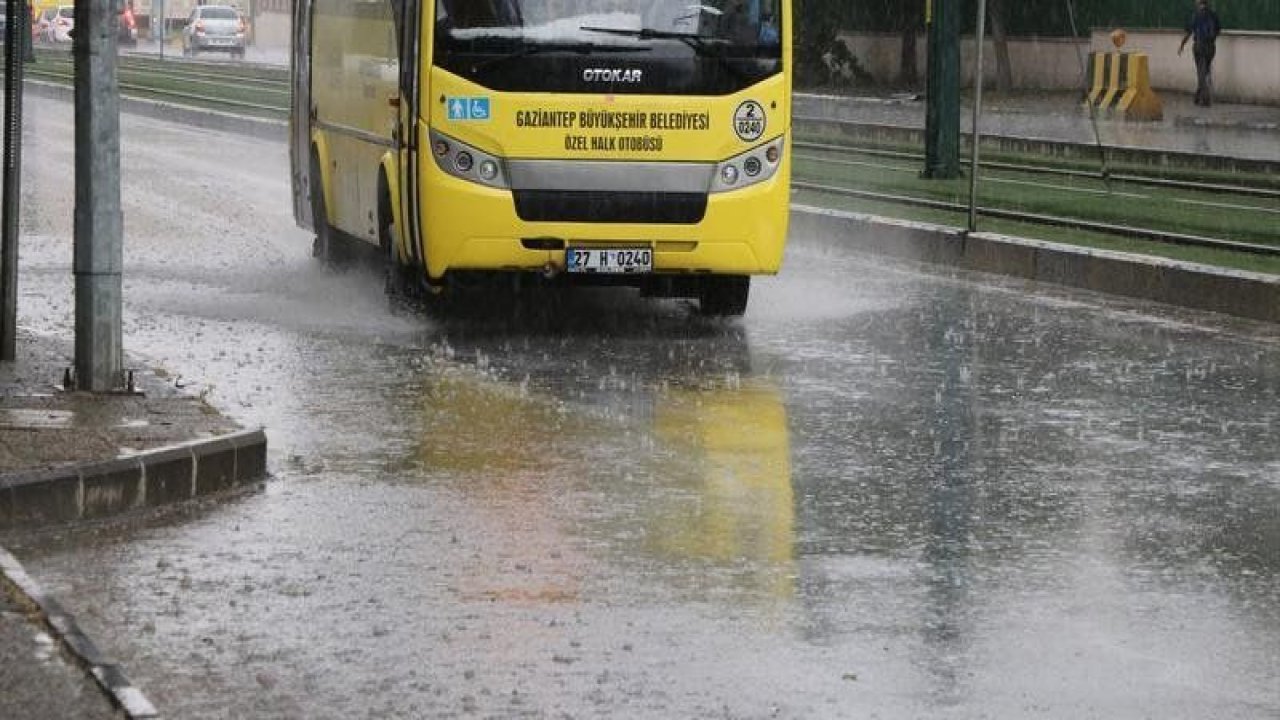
(889, 492)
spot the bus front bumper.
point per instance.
(472, 227)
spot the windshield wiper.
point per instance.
(702, 45)
(581, 48)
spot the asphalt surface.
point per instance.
(890, 491)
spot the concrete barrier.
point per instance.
(1203, 287)
(1120, 83)
(1098, 77)
(148, 479)
(1246, 68)
(1138, 101)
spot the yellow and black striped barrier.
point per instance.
(1120, 83)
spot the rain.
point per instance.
(892, 487)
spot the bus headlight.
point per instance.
(466, 162)
(753, 166)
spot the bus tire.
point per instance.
(724, 295)
(327, 247)
(401, 283)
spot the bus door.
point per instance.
(408, 16)
(300, 113)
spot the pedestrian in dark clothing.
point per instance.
(1202, 27)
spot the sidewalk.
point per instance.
(69, 456)
(1225, 129)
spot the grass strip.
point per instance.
(1252, 220)
(1164, 172)
(1103, 241)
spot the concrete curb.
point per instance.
(1203, 287)
(148, 479)
(62, 626)
(261, 128)
(1251, 125)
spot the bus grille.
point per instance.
(610, 207)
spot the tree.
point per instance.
(821, 57)
(1004, 68)
(910, 20)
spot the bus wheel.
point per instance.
(724, 295)
(327, 247)
(401, 283)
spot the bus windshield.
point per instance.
(717, 46)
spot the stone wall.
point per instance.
(1247, 68)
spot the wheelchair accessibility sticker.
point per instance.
(468, 108)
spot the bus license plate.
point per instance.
(609, 260)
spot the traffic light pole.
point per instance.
(975, 137)
(99, 227)
(942, 109)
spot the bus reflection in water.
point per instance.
(706, 487)
(741, 513)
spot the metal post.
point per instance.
(160, 3)
(14, 50)
(942, 108)
(99, 247)
(977, 114)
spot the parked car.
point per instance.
(214, 27)
(53, 25)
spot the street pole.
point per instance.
(977, 115)
(14, 54)
(99, 231)
(942, 108)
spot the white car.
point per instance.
(214, 27)
(54, 24)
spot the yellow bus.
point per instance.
(632, 142)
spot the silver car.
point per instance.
(214, 27)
